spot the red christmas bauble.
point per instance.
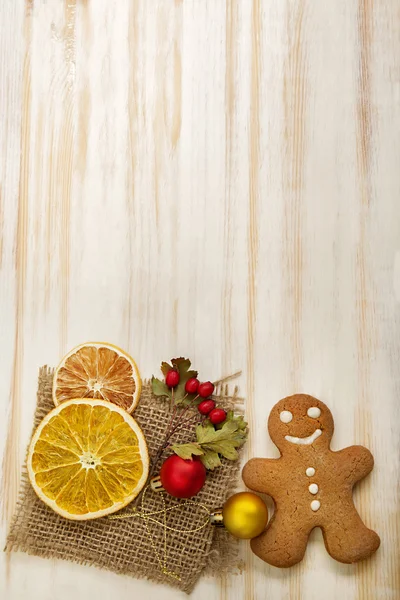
(182, 478)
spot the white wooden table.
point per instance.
(219, 179)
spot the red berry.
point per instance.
(216, 416)
(182, 478)
(206, 389)
(192, 385)
(206, 406)
(172, 378)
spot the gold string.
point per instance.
(149, 516)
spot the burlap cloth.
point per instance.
(124, 545)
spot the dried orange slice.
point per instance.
(87, 459)
(97, 370)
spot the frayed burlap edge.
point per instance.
(36, 530)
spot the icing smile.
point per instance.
(305, 440)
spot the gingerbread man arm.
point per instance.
(356, 462)
(261, 474)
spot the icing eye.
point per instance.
(286, 416)
(314, 412)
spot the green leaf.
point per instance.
(211, 442)
(238, 419)
(229, 452)
(205, 432)
(187, 450)
(182, 364)
(222, 441)
(210, 460)
(160, 388)
(165, 367)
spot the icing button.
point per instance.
(313, 488)
(310, 471)
(315, 504)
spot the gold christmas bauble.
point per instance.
(245, 515)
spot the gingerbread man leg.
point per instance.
(281, 545)
(348, 540)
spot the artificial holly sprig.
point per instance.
(218, 434)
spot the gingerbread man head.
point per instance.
(300, 421)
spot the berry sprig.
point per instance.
(218, 433)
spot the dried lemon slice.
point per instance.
(98, 370)
(87, 459)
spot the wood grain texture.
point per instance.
(217, 179)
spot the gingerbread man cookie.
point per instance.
(311, 486)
